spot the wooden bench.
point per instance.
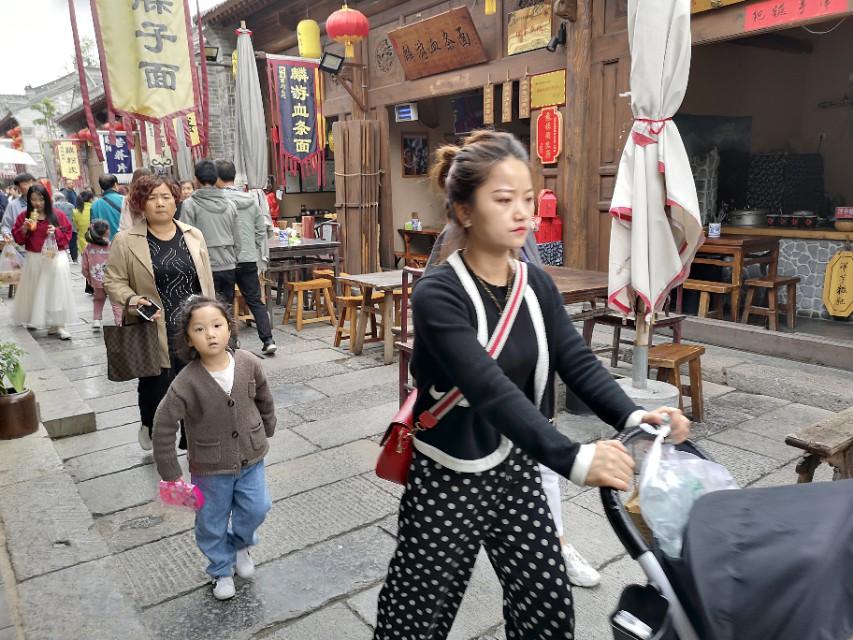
(829, 441)
(668, 360)
(706, 289)
(619, 322)
(773, 308)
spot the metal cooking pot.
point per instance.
(748, 218)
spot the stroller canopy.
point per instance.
(774, 563)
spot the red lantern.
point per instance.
(348, 26)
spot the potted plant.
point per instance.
(18, 411)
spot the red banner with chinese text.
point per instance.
(549, 135)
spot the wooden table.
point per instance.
(577, 285)
(417, 246)
(387, 282)
(285, 259)
(737, 252)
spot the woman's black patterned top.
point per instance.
(174, 275)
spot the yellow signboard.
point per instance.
(548, 89)
(528, 28)
(69, 165)
(838, 284)
(192, 126)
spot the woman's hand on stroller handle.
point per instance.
(611, 466)
(679, 425)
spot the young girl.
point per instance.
(96, 255)
(228, 411)
(473, 479)
(45, 298)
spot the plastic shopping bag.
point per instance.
(670, 482)
(49, 249)
(10, 259)
(180, 494)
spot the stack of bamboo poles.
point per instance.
(357, 193)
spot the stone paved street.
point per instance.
(86, 552)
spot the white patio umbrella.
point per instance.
(250, 149)
(8, 155)
(656, 226)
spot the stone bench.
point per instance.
(830, 441)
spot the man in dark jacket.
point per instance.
(69, 193)
(251, 258)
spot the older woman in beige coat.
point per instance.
(162, 261)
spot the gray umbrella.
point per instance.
(250, 151)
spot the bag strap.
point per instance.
(430, 418)
(111, 203)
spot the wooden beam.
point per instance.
(776, 42)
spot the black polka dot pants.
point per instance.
(445, 517)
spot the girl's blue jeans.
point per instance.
(245, 500)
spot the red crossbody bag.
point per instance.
(396, 455)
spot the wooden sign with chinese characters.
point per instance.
(489, 104)
(549, 135)
(441, 43)
(698, 6)
(772, 13)
(838, 285)
(506, 101)
(548, 89)
(524, 97)
(69, 164)
(529, 28)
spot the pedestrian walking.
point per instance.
(95, 257)
(187, 189)
(82, 218)
(252, 258)
(228, 411)
(22, 182)
(211, 211)
(474, 479)
(45, 299)
(108, 207)
(160, 261)
(68, 191)
(61, 204)
(127, 219)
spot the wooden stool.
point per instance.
(667, 359)
(620, 322)
(773, 308)
(322, 289)
(829, 441)
(706, 288)
(241, 309)
(348, 308)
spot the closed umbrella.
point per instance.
(656, 227)
(250, 150)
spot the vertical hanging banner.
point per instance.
(69, 164)
(299, 121)
(118, 159)
(506, 101)
(488, 104)
(147, 61)
(524, 97)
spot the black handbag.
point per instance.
(133, 350)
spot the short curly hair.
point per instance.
(142, 188)
(180, 342)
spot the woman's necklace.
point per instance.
(489, 293)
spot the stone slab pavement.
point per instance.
(79, 514)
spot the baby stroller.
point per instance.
(757, 564)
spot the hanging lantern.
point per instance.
(348, 26)
(308, 37)
(491, 7)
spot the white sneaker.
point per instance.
(244, 565)
(96, 325)
(581, 574)
(223, 588)
(63, 334)
(145, 438)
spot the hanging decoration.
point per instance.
(308, 39)
(297, 134)
(148, 68)
(506, 101)
(524, 96)
(349, 27)
(549, 135)
(489, 103)
(491, 7)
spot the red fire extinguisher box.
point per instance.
(550, 230)
(547, 204)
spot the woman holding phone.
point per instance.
(154, 267)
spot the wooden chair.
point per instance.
(406, 340)
(706, 289)
(619, 322)
(323, 292)
(668, 359)
(773, 308)
(349, 307)
(829, 441)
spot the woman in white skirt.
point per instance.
(44, 298)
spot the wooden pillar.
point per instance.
(386, 212)
(575, 174)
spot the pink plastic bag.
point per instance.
(182, 495)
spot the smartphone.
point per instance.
(147, 311)
(627, 621)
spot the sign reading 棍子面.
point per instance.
(437, 44)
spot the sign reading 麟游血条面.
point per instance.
(440, 43)
(763, 15)
(548, 89)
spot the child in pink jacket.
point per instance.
(95, 258)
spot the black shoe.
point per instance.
(269, 347)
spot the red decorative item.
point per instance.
(550, 230)
(347, 26)
(549, 135)
(547, 204)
